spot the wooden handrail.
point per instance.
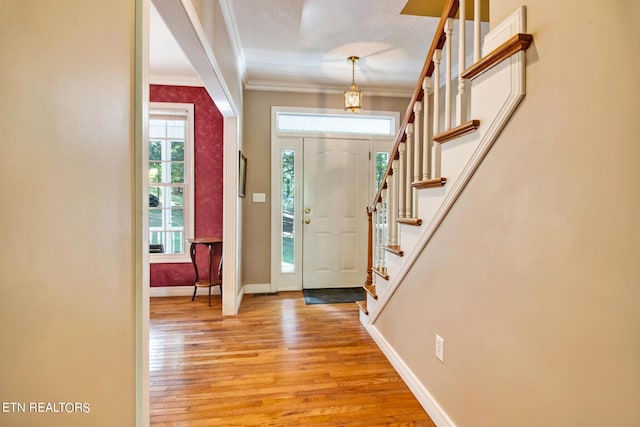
(450, 11)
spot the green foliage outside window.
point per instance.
(381, 166)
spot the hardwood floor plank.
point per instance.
(279, 362)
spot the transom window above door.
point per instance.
(334, 124)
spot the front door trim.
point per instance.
(293, 141)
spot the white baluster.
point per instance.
(417, 144)
(383, 228)
(381, 216)
(426, 138)
(392, 213)
(389, 194)
(476, 31)
(374, 234)
(448, 29)
(383, 235)
(462, 96)
(379, 236)
(409, 172)
(402, 192)
(435, 169)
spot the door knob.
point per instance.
(307, 221)
(307, 210)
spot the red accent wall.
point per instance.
(208, 179)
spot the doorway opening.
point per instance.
(323, 165)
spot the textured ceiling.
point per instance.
(304, 45)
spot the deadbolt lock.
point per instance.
(307, 210)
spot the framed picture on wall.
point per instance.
(242, 175)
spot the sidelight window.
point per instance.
(288, 226)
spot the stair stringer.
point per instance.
(509, 75)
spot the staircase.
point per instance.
(440, 144)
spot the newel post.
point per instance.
(369, 280)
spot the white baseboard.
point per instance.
(430, 405)
(256, 288)
(291, 288)
(178, 291)
(240, 296)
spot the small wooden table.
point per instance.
(210, 242)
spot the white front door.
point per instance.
(336, 194)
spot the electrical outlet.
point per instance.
(440, 348)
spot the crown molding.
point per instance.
(234, 36)
(280, 86)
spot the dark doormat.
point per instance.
(333, 295)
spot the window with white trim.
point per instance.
(171, 189)
(350, 124)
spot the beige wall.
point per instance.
(533, 280)
(66, 260)
(256, 247)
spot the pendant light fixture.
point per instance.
(353, 95)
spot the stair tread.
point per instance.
(371, 290)
(516, 43)
(410, 221)
(380, 273)
(394, 249)
(363, 307)
(429, 183)
(456, 132)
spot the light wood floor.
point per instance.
(279, 362)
